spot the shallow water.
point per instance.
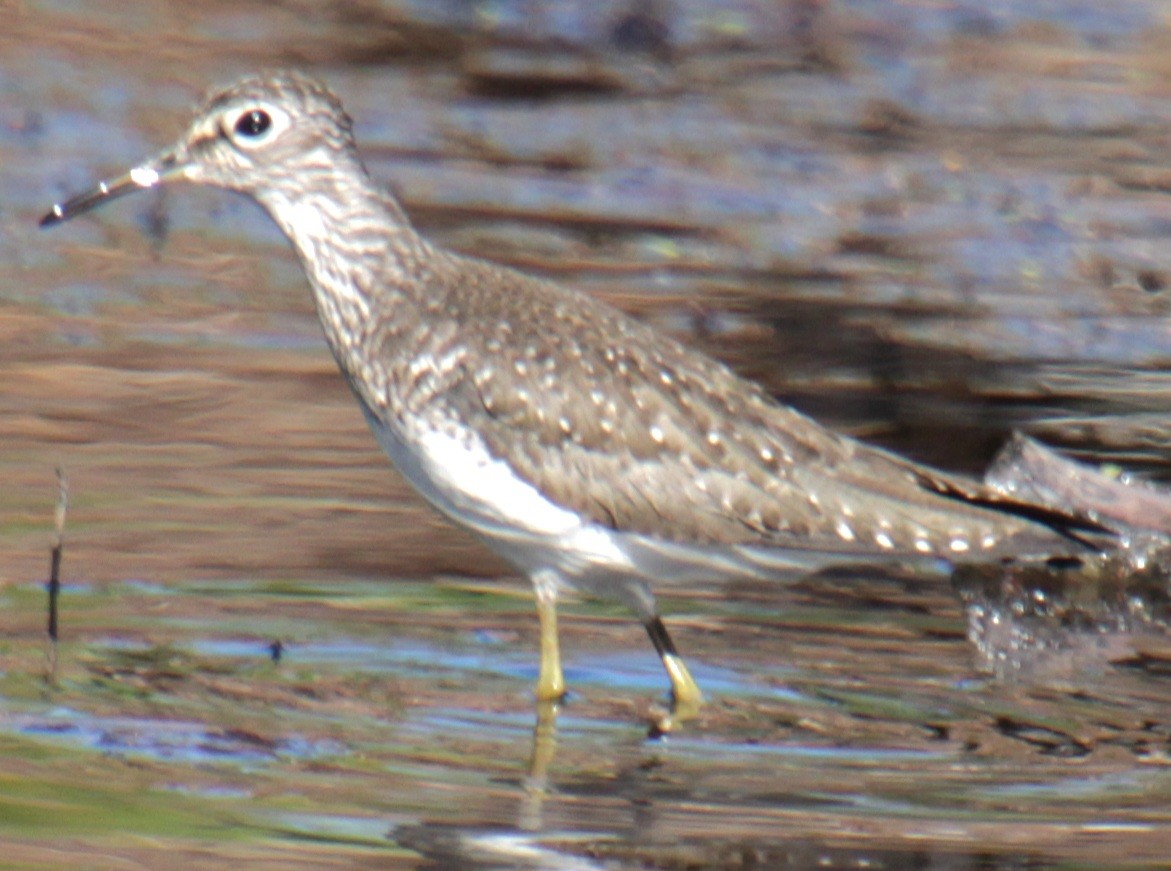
(836, 736)
(925, 223)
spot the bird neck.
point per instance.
(358, 249)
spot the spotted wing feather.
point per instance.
(629, 428)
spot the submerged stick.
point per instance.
(55, 569)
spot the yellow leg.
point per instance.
(684, 689)
(686, 697)
(550, 681)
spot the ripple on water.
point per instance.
(635, 671)
(172, 740)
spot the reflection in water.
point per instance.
(451, 847)
(647, 815)
(423, 731)
(529, 818)
(165, 739)
(447, 848)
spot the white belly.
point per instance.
(456, 474)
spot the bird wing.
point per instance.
(629, 428)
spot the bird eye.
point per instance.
(253, 123)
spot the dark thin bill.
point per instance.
(135, 180)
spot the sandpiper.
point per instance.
(590, 451)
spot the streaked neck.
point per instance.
(356, 245)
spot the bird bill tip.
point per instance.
(139, 178)
(55, 215)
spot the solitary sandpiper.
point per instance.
(590, 451)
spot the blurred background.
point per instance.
(925, 223)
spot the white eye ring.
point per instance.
(256, 125)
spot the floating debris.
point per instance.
(1139, 511)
